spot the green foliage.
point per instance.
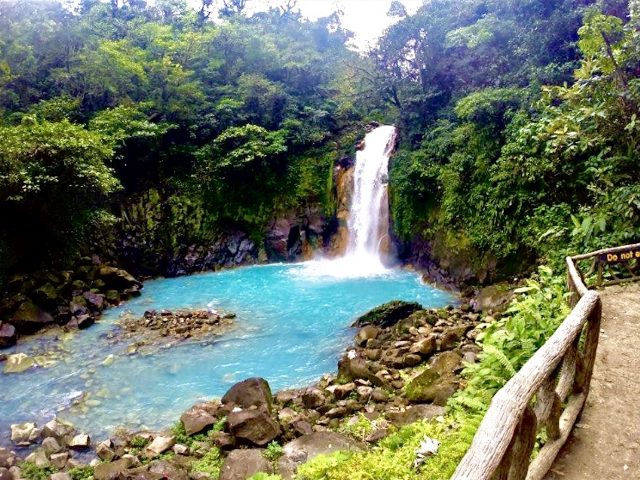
(394, 457)
(81, 473)
(358, 427)
(32, 472)
(273, 451)
(139, 442)
(209, 464)
(265, 476)
(509, 342)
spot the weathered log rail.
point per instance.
(550, 390)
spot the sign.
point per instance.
(622, 256)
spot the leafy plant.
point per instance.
(273, 451)
(209, 464)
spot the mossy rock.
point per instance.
(388, 314)
(438, 382)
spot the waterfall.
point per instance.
(368, 221)
(368, 216)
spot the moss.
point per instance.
(209, 464)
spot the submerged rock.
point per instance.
(18, 363)
(24, 434)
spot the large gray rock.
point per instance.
(243, 464)
(307, 447)
(255, 426)
(252, 392)
(80, 442)
(5, 474)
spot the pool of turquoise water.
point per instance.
(292, 325)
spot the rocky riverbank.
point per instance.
(402, 367)
(73, 299)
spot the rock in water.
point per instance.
(24, 434)
(253, 392)
(243, 464)
(7, 335)
(388, 314)
(255, 426)
(80, 442)
(18, 363)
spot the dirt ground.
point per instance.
(606, 443)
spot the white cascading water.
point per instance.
(368, 221)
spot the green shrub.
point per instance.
(273, 451)
(81, 473)
(30, 471)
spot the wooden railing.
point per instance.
(548, 393)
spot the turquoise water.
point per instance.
(292, 325)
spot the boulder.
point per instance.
(343, 391)
(117, 279)
(8, 335)
(196, 420)
(51, 445)
(39, 458)
(7, 458)
(167, 470)
(59, 460)
(160, 445)
(253, 392)
(24, 434)
(105, 451)
(425, 346)
(388, 314)
(95, 300)
(495, 297)
(30, 318)
(307, 447)
(80, 442)
(352, 367)
(437, 383)
(85, 321)
(113, 470)
(18, 363)
(58, 429)
(255, 426)
(5, 474)
(369, 332)
(313, 398)
(243, 464)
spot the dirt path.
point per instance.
(606, 443)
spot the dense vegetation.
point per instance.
(228, 122)
(518, 123)
(520, 128)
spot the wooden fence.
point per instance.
(550, 390)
